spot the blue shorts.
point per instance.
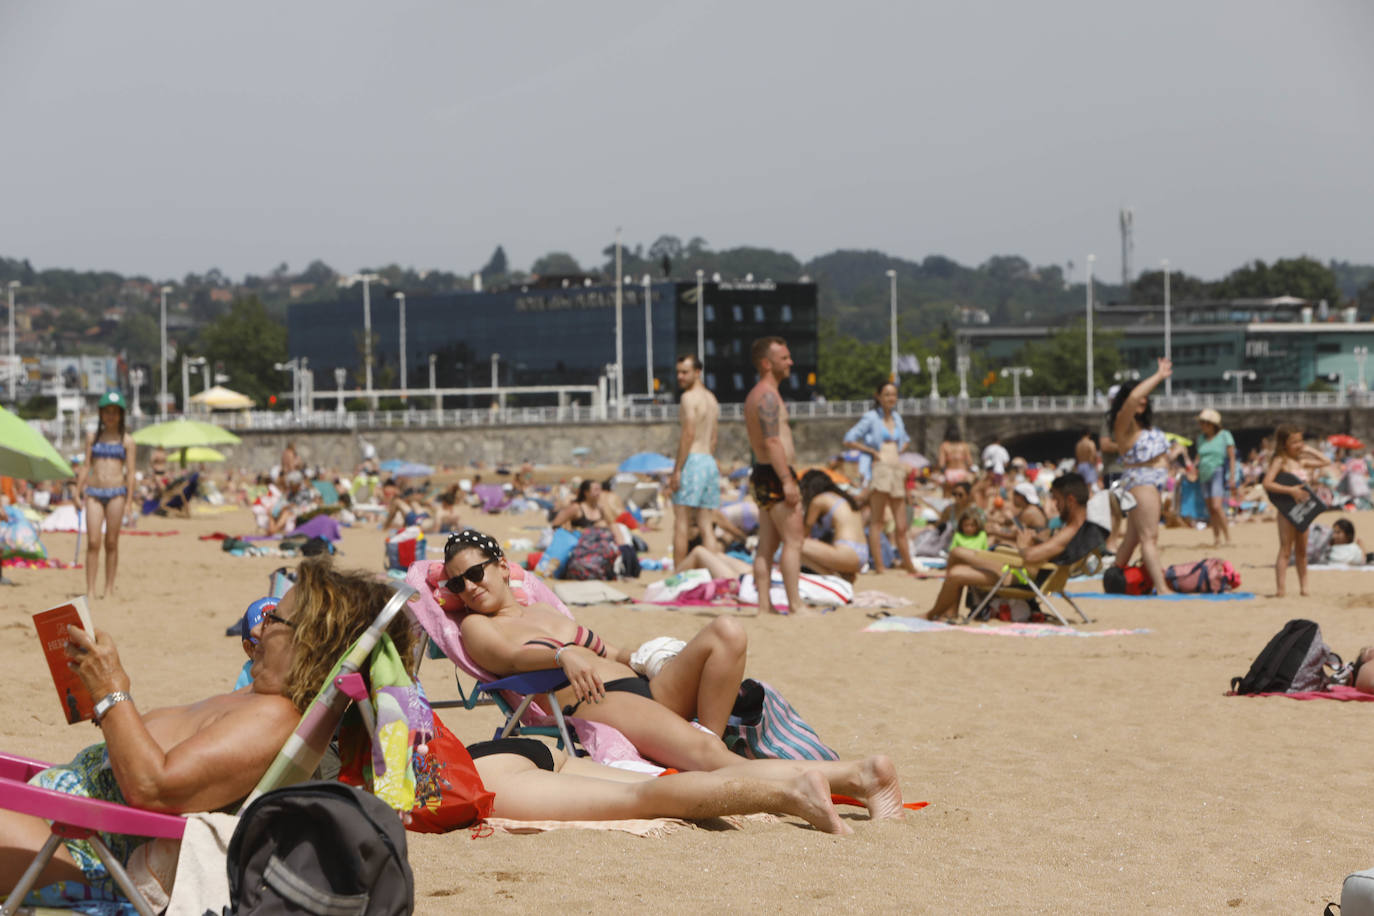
(699, 485)
(1214, 487)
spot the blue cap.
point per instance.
(252, 617)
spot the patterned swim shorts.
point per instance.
(699, 486)
(90, 776)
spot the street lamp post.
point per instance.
(1168, 328)
(292, 366)
(619, 330)
(1241, 376)
(434, 390)
(401, 303)
(933, 367)
(962, 363)
(649, 335)
(186, 363)
(495, 374)
(1361, 354)
(1089, 287)
(892, 284)
(340, 373)
(1015, 373)
(14, 363)
(306, 382)
(136, 380)
(701, 321)
(367, 333)
(162, 401)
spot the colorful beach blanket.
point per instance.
(1173, 596)
(46, 563)
(1030, 630)
(1335, 692)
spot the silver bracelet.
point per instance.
(107, 702)
(556, 655)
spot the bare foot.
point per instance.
(809, 797)
(1303, 592)
(881, 792)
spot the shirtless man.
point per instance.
(982, 568)
(203, 756)
(695, 481)
(775, 482)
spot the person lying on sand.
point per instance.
(701, 682)
(207, 755)
(533, 782)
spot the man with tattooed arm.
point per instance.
(775, 482)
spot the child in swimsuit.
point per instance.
(105, 479)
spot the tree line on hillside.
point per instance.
(240, 324)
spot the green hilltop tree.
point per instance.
(1060, 364)
(246, 344)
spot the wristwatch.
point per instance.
(108, 702)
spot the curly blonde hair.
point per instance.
(333, 608)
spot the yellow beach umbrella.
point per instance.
(221, 398)
(198, 454)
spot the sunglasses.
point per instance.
(272, 617)
(472, 574)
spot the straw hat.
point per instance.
(1210, 416)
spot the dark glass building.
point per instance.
(561, 336)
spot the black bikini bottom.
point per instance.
(636, 685)
(536, 752)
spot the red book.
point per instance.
(77, 704)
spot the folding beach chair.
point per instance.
(513, 696)
(77, 817)
(329, 494)
(1038, 582)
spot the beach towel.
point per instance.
(439, 610)
(1223, 596)
(320, 526)
(815, 589)
(1028, 630)
(591, 592)
(650, 828)
(1334, 692)
(493, 495)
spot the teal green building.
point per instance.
(1288, 343)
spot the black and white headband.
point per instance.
(471, 537)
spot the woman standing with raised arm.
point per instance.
(879, 437)
(1145, 455)
(105, 480)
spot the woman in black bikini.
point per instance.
(702, 681)
(105, 480)
(584, 511)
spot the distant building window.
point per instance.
(710, 380)
(794, 382)
(738, 312)
(1328, 348)
(758, 314)
(787, 313)
(739, 381)
(710, 347)
(710, 313)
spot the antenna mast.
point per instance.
(1127, 248)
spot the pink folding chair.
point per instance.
(77, 818)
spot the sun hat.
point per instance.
(112, 397)
(1027, 491)
(1210, 416)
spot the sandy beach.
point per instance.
(1063, 774)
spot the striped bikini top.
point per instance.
(108, 450)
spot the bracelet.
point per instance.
(556, 655)
(107, 702)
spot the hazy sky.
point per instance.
(164, 137)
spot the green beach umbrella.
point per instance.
(183, 434)
(25, 454)
(198, 454)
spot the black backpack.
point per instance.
(321, 848)
(1294, 661)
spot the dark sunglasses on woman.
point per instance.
(472, 574)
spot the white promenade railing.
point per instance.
(421, 418)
